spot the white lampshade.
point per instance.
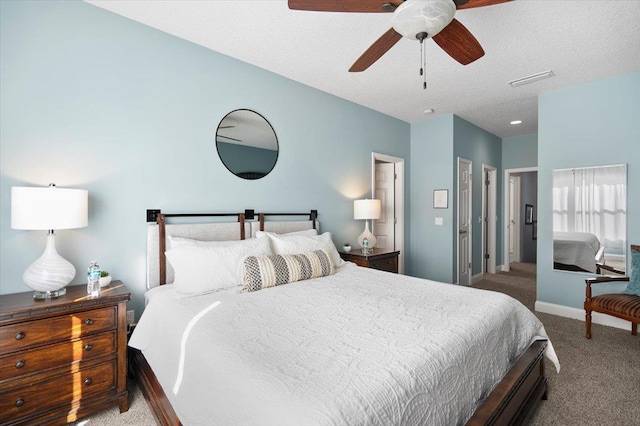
(49, 209)
(367, 209)
(423, 16)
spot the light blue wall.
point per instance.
(586, 125)
(480, 147)
(431, 253)
(520, 151)
(93, 100)
(435, 146)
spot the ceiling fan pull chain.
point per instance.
(423, 57)
(424, 65)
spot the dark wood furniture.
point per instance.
(382, 259)
(65, 358)
(512, 401)
(625, 306)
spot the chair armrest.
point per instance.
(598, 280)
(601, 266)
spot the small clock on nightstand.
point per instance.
(382, 259)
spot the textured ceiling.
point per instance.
(579, 40)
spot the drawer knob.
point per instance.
(19, 402)
(20, 364)
(88, 321)
(87, 381)
(88, 347)
(20, 336)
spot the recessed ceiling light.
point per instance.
(531, 78)
(428, 111)
(516, 122)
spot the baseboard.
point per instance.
(477, 278)
(575, 313)
(499, 268)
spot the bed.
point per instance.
(357, 346)
(576, 251)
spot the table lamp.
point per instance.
(51, 208)
(366, 209)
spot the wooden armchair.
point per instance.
(625, 306)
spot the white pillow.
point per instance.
(306, 232)
(182, 242)
(205, 268)
(294, 244)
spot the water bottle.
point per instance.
(365, 246)
(93, 279)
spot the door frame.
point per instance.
(457, 230)
(398, 201)
(489, 222)
(507, 177)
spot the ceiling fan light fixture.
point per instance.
(423, 16)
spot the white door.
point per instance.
(385, 192)
(397, 243)
(464, 222)
(514, 219)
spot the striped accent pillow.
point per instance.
(269, 271)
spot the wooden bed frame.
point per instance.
(511, 402)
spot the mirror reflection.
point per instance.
(589, 219)
(247, 144)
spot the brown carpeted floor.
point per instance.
(599, 382)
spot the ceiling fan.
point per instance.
(414, 19)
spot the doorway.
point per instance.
(387, 185)
(513, 226)
(490, 218)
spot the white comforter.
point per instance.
(576, 248)
(358, 347)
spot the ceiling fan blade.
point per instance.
(479, 3)
(459, 43)
(360, 6)
(376, 50)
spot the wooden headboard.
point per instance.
(220, 227)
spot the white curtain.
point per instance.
(592, 200)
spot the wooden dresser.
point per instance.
(382, 259)
(65, 358)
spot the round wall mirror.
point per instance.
(247, 144)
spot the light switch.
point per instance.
(438, 221)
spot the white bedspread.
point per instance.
(576, 248)
(358, 347)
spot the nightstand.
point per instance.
(65, 358)
(382, 259)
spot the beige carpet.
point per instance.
(599, 383)
(599, 380)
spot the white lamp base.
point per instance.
(371, 239)
(50, 273)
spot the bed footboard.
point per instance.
(511, 402)
(517, 395)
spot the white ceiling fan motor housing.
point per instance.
(423, 16)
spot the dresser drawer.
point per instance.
(59, 391)
(389, 264)
(64, 327)
(17, 364)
